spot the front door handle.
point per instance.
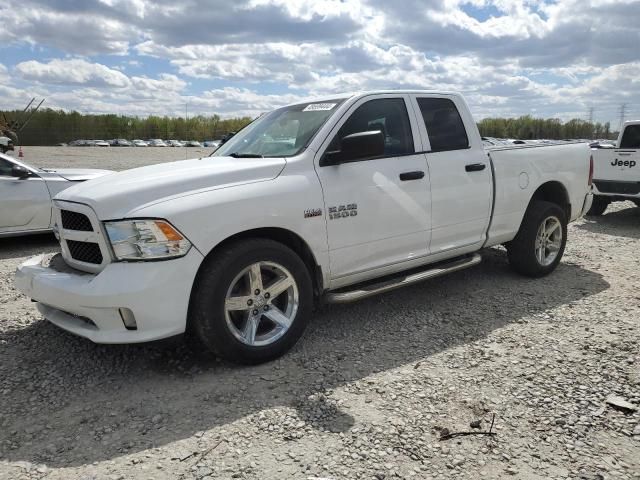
(417, 175)
(475, 167)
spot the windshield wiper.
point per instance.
(245, 155)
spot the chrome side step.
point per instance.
(403, 280)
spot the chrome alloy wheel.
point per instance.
(548, 241)
(261, 304)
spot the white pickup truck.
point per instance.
(616, 174)
(330, 200)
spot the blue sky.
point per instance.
(509, 57)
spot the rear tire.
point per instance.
(251, 301)
(539, 245)
(598, 206)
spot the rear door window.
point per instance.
(444, 124)
(631, 137)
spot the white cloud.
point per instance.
(229, 57)
(72, 72)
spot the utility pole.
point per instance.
(186, 125)
(623, 114)
(590, 114)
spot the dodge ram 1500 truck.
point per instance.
(330, 200)
(616, 172)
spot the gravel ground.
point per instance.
(110, 158)
(367, 393)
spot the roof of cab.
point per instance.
(345, 96)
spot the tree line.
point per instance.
(50, 127)
(530, 128)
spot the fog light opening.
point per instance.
(128, 319)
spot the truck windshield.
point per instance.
(281, 133)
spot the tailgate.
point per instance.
(620, 165)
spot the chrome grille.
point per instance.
(84, 246)
(75, 221)
(85, 252)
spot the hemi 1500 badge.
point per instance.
(313, 212)
(343, 211)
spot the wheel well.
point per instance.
(554, 192)
(288, 238)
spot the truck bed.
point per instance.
(520, 169)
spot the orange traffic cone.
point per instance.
(20, 154)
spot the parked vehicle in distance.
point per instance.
(174, 143)
(26, 192)
(121, 142)
(602, 144)
(193, 143)
(139, 143)
(616, 175)
(330, 200)
(491, 141)
(6, 144)
(157, 142)
(99, 143)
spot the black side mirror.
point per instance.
(20, 172)
(356, 146)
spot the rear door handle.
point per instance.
(417, 175)
(475, 167)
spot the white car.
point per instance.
(616, 175)
(139, 143)
(157, 142)
(26, 192)
(6, 144)
(211, 143)
(174, 143)
(329, 200)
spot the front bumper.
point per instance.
(86, 304)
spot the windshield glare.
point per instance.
(281, 133)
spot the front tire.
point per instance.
(539, 245)
(598, 206)
(251, 301)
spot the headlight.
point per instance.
(146, 240)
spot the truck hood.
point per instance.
(77, 174)
(117, 195)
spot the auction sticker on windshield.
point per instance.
(317, 107)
